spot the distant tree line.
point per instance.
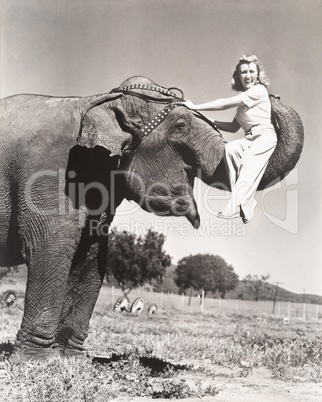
(133, 261)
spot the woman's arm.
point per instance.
(230, 127)
(218, 104)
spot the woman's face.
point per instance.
(248, 75)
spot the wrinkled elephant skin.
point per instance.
(57, 195)
(65, 166)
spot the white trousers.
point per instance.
(246, 161)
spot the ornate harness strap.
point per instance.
(171, 98)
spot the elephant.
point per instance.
(66, 165)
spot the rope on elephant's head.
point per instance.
(179, 90)
(171, 97)
(204, 118)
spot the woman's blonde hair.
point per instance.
(247, 59)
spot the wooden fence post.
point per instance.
(202, 300)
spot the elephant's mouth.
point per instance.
(172, 201)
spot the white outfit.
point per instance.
(247, 159)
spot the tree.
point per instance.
(157, 259)
(229, 280)
(205, 272)
(134, 260)
(124, 260)
(257, 283)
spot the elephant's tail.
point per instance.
(290, 135)
(10, 242)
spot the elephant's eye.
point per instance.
(181, 125)
(178, 130)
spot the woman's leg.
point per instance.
(234, 153)
(251, 171)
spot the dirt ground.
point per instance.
(256, 386)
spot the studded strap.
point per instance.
(157, 119)
(168, 98)
(156, 88)
(171, 98)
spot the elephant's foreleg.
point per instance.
(84, 284)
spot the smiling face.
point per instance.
(248, 75)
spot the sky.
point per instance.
(85, 47)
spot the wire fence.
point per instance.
(165, 301)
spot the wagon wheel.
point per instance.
(122, 304)
(9, 298)
(137, 306)
(153, 308)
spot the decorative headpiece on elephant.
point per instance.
(67, 163)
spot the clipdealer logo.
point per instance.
(290, 223)
(206, 197)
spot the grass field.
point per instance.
(217, 356)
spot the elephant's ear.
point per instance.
(105, 132)
(108, 126)
(88, 178)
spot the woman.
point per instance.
(247, 158)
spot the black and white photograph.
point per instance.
(160, 204)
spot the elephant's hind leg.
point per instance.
(48, 270)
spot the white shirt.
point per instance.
(256, 108)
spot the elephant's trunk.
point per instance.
(208, 151)
(290, 135)
(212, 168)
